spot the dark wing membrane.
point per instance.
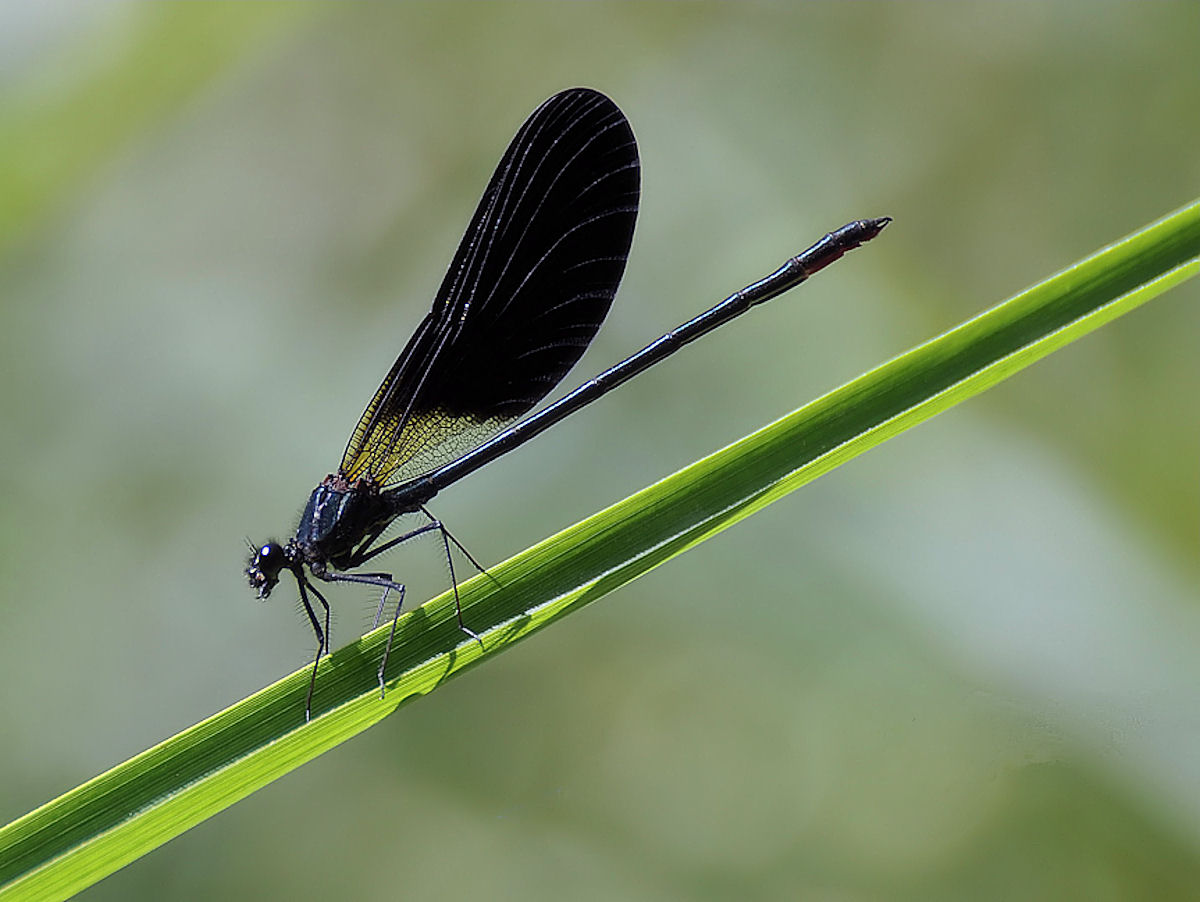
(525, 295)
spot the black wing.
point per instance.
(525, 295)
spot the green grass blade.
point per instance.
(77, 839)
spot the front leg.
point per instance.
(322, 638)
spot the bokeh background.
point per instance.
(963, 666)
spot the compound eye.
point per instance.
(270, 558)
(265, 564)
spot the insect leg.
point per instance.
(363, 553)
(384, 581)
(322, 638)
(446, 534)
(434, 523)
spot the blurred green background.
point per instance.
(962, 667)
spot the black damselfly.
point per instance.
(527, 291)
